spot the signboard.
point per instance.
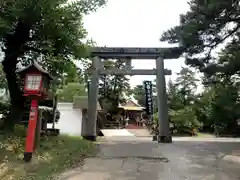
(149, 97)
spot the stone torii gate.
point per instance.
(159, 54)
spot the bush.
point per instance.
(184, 117)
(48, 114)
(182, 121)
(4, 110)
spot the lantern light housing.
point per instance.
(36, 80)
(33, 82)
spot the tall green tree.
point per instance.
(186, 83)
(52, 31)
(181, 99)
(112, 88)
(219, 104)
(139, 94)
(73, 74)
(206, 26)
(174, 96)
(69, 91)
(203, 28)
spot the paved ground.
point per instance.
(116, 132)
(140, 132)
(130, 158)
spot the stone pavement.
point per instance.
(116, 132)
(140, 132)
(138, 158)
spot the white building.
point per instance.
(72, 116)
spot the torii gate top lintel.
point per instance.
(136, 53)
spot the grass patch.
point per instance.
(53, 156)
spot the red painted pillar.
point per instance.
(32, 123)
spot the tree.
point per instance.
(203, 28)
(3, 82)
(72, 74)
(113, 87)
(219, 104)
(183, 120)
(69, 91)
(174, 97)
(51, 31)
(181, 99)
(206, 26)
(139, 94)
(186, 82)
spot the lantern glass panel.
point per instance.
(33, 82)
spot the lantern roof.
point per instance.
(36, 66)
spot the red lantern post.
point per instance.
(36, 85)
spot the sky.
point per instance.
(137, 23)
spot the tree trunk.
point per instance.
(17, 100)
(14, 50)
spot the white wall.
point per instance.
(70, 122)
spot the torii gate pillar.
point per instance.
(164, 131)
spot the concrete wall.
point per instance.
(70, 122)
